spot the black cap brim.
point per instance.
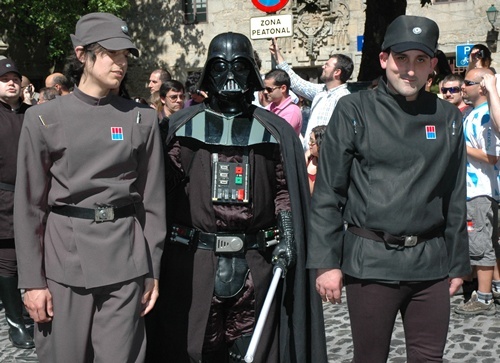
(403, 47)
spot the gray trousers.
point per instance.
(100, 325)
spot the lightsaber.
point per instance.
(257, 333)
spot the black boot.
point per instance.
(13, 305)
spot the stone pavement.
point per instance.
(470, 339)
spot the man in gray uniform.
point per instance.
(90, 208)
(392, 167)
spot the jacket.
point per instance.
(390, 165)
(81, 151)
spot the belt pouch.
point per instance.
(231, 274)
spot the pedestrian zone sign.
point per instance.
(273, 26)
(462, 55)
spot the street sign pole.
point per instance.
(269, 7)
(266, 23)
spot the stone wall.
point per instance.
(167, 41)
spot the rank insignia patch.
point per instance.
(430, 132)
(116, 133)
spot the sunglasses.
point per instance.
(270, 89)
(470, 83)
(452, 90)
(174, 98)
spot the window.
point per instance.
(195, 11)
(447, 1)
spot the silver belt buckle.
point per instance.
(411, 241)
(104, 214)
(228, 244)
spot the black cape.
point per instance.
(302, 334)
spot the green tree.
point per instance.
(40, 28)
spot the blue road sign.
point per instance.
(360, 40)
(462, 55)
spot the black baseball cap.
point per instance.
(106, 29)
(6, 66)
(408, 32)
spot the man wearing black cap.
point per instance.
(393, 169)
(11, 119)
(90, 208)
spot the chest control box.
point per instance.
(230, 182)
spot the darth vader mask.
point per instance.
(231, 74)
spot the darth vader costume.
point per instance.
(238, 205)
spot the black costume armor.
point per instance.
(231, 171)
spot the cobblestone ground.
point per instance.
(470, 339)
(8, 353)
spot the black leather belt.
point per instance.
(8, 187)
(229, 242)
(99, 213)
(404, 241)
(224, 242)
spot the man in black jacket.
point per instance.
(393, 168)
(12, 110)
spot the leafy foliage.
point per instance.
(31, 24)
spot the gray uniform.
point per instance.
(81, 151)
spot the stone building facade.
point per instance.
(321, 27)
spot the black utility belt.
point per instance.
(224, 242)
(8, 187)
(101, 213)
(404, 241)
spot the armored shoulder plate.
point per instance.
(217, 129)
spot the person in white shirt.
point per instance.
(483, 151)
(336, 72)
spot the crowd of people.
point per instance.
(391, 192)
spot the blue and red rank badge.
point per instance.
(430, 132)
(117, 133)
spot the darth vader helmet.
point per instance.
(231, 73)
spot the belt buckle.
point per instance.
(104, 214)
(229, 244)
(411, 241)
(183, 235)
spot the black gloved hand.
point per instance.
(285, 253)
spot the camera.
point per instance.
(478, 55)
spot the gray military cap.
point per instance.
(412, 32)
(106, 29)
